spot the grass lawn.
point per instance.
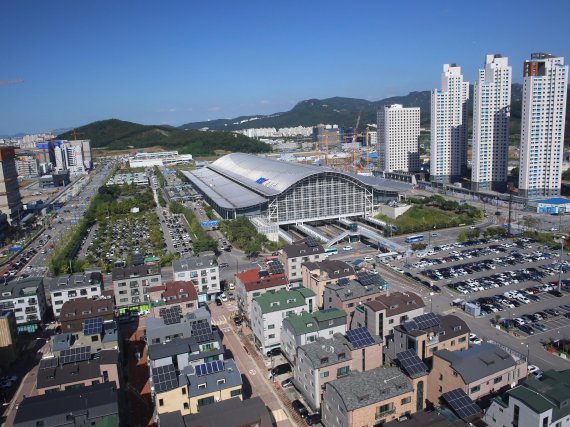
(422, 218)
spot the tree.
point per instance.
(529, 222)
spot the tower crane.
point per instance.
(11, 82)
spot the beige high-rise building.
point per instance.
(398, 136)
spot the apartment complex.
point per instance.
(398, 138)
(65, 288)
(27, 299)
(491, 117)
(203, 270)
(295, 254)
(130, 285)
(545, 81)
(448, 148)
(10, 198)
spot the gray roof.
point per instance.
(182, 346)
(327, 351)
(478, 362)
(231, 376)
(61, 341)
(360, 389)
(334, 268)
(18, 288)
(156, 328)
(205, 260)
(75, 281)
(449, 327)
(53, 409)
(354, 289)
(300, 248)
(135, 271)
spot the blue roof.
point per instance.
(554, 201)
(373, 155)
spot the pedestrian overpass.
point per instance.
(361, 230)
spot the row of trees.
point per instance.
(244, 235)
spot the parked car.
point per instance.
(274, 352)
(527, 329)
(474, 339)
(287, 382)
(218, 301)
(300, 408)
(284, 368)
(347, 248)
(532, 369)
(540, 326)
(314, 419)
(556, 293)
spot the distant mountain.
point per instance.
(119, 135)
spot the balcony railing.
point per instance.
(383, 414)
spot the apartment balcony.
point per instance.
(385, 413)
(31, 310)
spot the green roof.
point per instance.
(283, 299)
(304, 322)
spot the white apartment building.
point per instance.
(74, 156)
(373, 137)
(269, 310)
(203, 271)
(26, 298)
(398, 138)
(491, 116)
(66, 288)
(448, 148)
(542, 125)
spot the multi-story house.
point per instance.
(478, 371)
(295, 254)
(428, 333)
(316, 275)
(27, 299)
(398, 138)
(327, 359)
(545, 82)
(190, 388)
(203, 271)
(74, 313)
(303, 328)
(73, 286)
(130, 285)
(269, 310)
(370, 398)
(347, 294)
(534, 402)
(255, 282)
(179, 293)
(448, 148)
(383, 314)
(96, 334)
(171, 325)
(491, 116)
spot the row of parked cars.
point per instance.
(497, 280)
(530, 323)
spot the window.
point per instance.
(186, 405)
(206, 401)
(200, 386)
(497, 380)
(516, 412)
(236, 392)
(475, 389)
(160, 402)
(342, 371)
(94, 338)
(324, 374)
(271, 336)
(221, 381)
(405, 400)
(183, 390)
(271, 326)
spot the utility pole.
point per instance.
(510, 189)
(561, 251)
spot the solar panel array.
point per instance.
(359, 337)
(343, 281)
(367, 279)
(74, 355)
(461, 404)
(164, 378)
(49, 363)
(93, 326)
(276, 267)
(410, 325)
(411, 363)
(311, 241)
(428, 320)
(209, 368)
(170, 315)
(202, 332)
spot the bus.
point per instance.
(272, 258)
(414, 239)
(331, 251)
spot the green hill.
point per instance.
(116, 134)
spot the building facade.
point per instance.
(130, 285)
(8, 338)
(10, 198)
(74, 312)
(295, 254)
(491, 118)
(398, 138)
(27, 299)
(448, 148)
(255, 282)
(545, 81)
(317, 275)
(203, 270)
(66, 288)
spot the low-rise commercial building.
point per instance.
(533, 403)
(130, 285)
(269, 310)
(383, 314)
(370, 398)
(255, 282)
(27, 299)
(294, 255)
(203, 270)
(69, 287)
(316, 275)
(327, 359)
(303, 328)
(478, 371)
(75, 312)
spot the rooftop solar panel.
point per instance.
(164, 378)
(367, 279)
(411, 363)
(209, 368)
(428, 320)
(461, 404)
(202, 332)
(311, 241)
(49, 363)
(93, 326)
(343, 281)
(360, 337)
(74, 355)
(170, 315)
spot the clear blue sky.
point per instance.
(187, 60)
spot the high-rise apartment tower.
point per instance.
(398, 134)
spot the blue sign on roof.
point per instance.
(554, 201)
(205, 223)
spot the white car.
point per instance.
(533, 368)
(224, 298)
(368, 259)
(347, 248)
(474, 339)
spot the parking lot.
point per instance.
(178, 234)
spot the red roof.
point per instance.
(252, 281)
(175, 289)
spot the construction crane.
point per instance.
(11, 82)
(355, 140)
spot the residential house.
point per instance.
(269, 310)
(74, 313)
(96, 334)
(179, 293)
(77, 369)
(250, 412)
(255, 282)
(131, 284)
(26, 297)
(428, 333)
(8, 338)
(203, 271)
(164, 329)
(327, 359)
(428, 419)
(303, 328)
(542, 403)
(386, 312)
(478, 371)
(297, 253)
(76, 407)
(370, 398)
(73, 286)
(189, 389)
(316, 275)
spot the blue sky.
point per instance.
(177, 61)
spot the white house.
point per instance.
(203, 270)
